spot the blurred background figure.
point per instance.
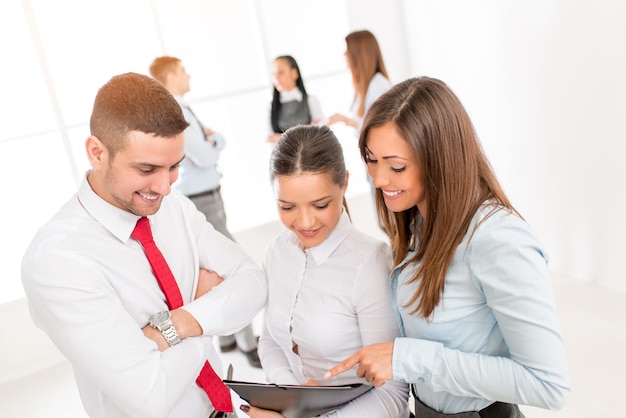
(291, 104)
(199, 177)
(369, 76)
(369, 79)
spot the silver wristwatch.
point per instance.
(163, 322)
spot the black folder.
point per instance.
(294, 401)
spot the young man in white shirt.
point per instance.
(91, 288)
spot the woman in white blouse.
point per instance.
(328, 283)
(369, 77)
(291, 104)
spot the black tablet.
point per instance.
(294, 401)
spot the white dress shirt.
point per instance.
(91, 289)
(378, 85)
(199, 170)
(495, 334)
(330, 300)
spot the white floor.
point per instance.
(592, 326)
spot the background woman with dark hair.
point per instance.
(291, 104)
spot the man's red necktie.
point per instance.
(208, 380)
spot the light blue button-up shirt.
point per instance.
(198, 171)
(495, 334)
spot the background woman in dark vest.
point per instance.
(291, 104)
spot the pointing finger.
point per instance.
(347, 364)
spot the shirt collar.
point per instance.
(293, 94)
(322, 252)
(117, 221)
(181, 101)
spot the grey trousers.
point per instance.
(212, 206)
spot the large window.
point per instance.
(57, 54)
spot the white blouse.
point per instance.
(330, 301)
(378, 85)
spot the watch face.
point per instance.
(163, 322)
(159, 319)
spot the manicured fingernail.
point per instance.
(245, 408)
(327, 375)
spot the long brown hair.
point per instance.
(366, 60)
(456, 177)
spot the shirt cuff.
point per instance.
(413, 360)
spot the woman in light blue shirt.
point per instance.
(328, 283)
(470, 285)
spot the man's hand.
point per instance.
(207, 280)
(375, 364)
(208, 131)
(156, 336)
(185, 324)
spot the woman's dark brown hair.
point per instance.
(456, 177)
(309, 149)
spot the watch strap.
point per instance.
(163, 322)
(170, 335)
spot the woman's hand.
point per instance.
(337, 117)
(273, 138)
(375, 364)
(311, 382)
(253, 412)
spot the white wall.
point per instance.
(545, 84)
